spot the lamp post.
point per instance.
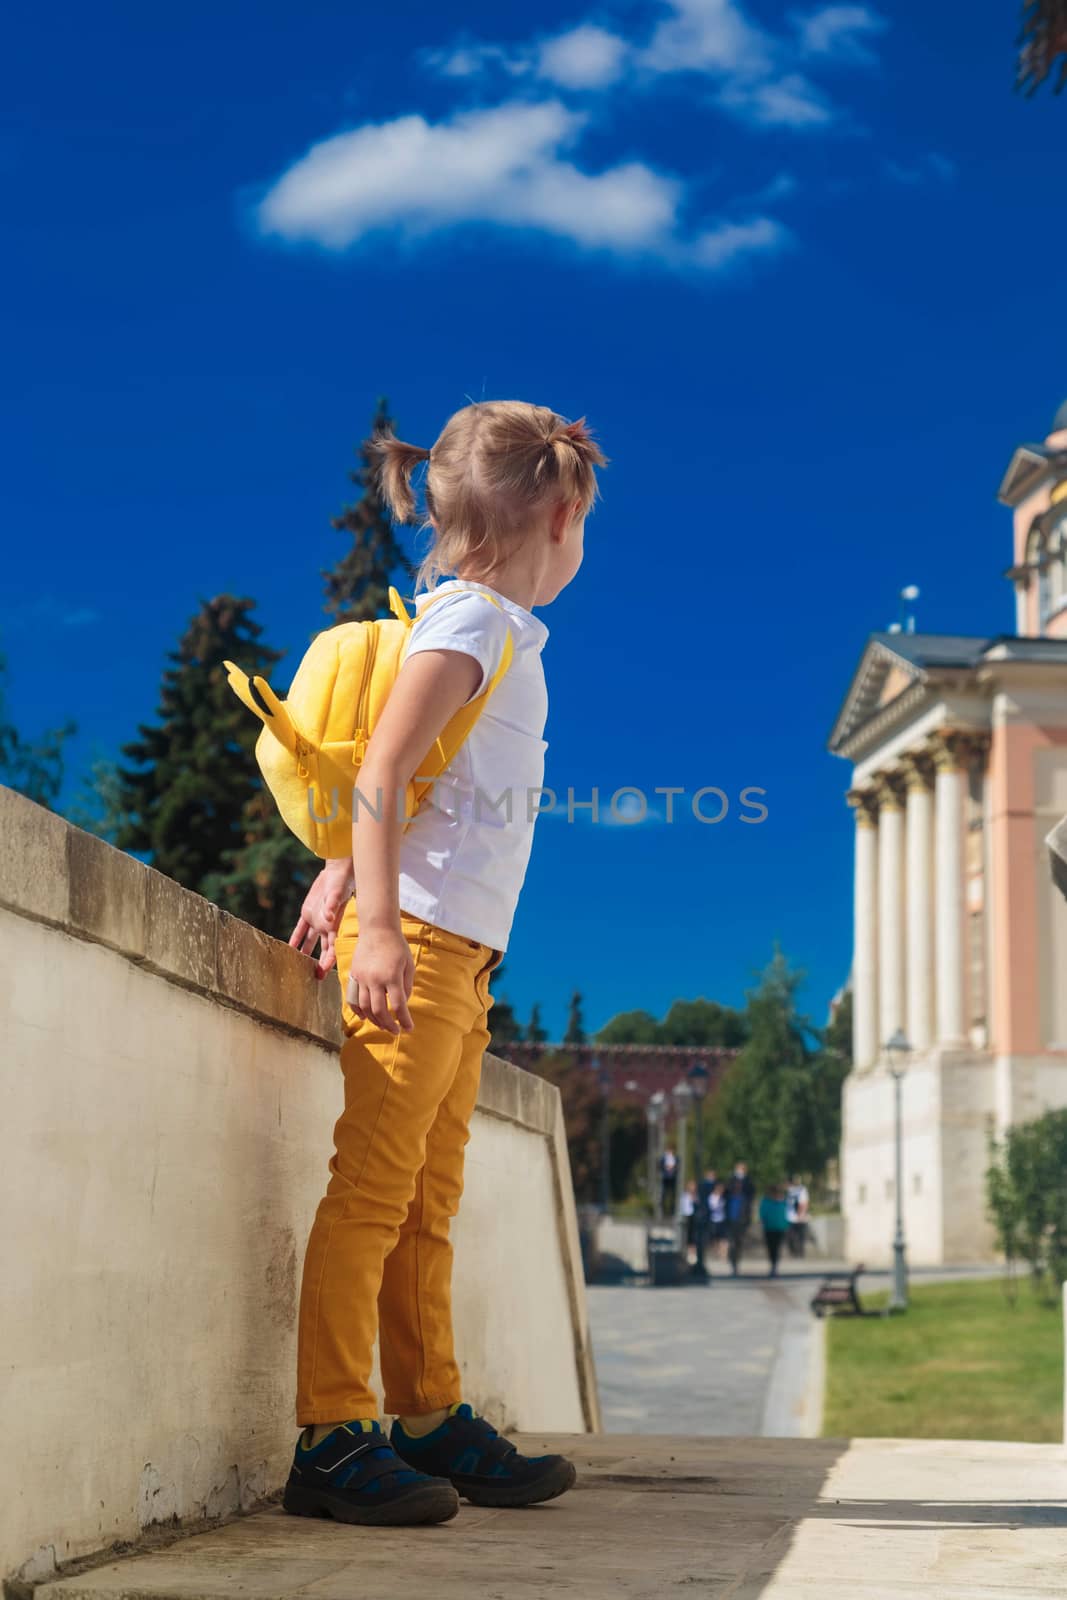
(898, 1049)
(603, 1078)
(682, 1095)
(656, 1111)
(697, 1077)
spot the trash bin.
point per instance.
(664, 1259)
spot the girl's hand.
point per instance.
(321, 913)
(383, 971)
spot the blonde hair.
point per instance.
(495, 462)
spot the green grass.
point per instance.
(961, 1363)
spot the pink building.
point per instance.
(959, 771)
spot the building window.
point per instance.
(1046, 555)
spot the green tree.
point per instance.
(1042, 45)
(580, 1096)
(1026, 1197)
(357, 588)
(630, 1027)
(695, 1024)
(575, 1033)
(535, 1033)
(779, 1104)
(34, 768)
(190, 798)
(504, 1027)
(702, 1024)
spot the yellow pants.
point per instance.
(379, 1256)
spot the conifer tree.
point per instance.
(535, 1033)
(504, 1028)
(190, 775)
(575, 1033)
(1042, 45)
(357, 588)
(34, 769)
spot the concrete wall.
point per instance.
(171, 1082)
(948, 1104)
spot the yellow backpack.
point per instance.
(311, 745)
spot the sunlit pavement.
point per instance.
(736, 1356)
(740, 1519)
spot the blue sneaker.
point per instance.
(484, 1467)
(355, 1475)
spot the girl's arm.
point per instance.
(429, 689)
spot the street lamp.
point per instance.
(656, 1112)
(682, 1096)
(698, 1087)
(603, 1078)
(898, 1049)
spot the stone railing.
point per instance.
(171, 1082)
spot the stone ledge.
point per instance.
(55, 873)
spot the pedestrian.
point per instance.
(687, 1210)
(772, 1215)
(740, 1192)
(668, 1181)
(717, 1219)
(508, 488)
(798, 1204)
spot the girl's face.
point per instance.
(566, 547)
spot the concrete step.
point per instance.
(778, 1519)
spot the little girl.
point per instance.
(508, 488)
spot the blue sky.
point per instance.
(801, 267)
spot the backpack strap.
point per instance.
(400, 610)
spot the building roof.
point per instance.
(895, 666)
(934, 649)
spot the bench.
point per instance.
(837, 1290)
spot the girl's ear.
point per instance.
(564, 512)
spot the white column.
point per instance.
(919, 871)
(948, 867)
(890, 909)
(865, 932)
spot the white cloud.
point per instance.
(583, 57)
(755, 70)
(708, 36)
(472, 60)
(788, 102)
(840, 32)
(930, 168)
(586, 57)
(726, 244)
(506, 165)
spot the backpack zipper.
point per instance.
(360, 737)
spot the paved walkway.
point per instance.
(739, 1356)
(762, 1519)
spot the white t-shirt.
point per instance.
(463, 858)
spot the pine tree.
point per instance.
(535, 1033)
(35, 770)
(575, 1033)
(357, 588)
(504, 1028)
(191, 775)
(1042, 45)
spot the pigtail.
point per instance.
(396, 463)
(575, 455)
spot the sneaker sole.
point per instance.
(556, 1481)
(435, 1503)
